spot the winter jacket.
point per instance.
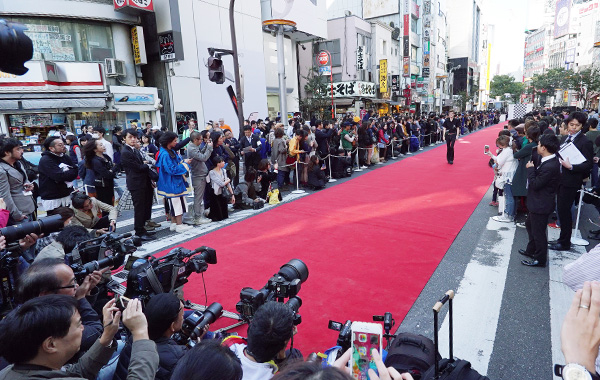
(199, 155)
(171, 181)
(55, 181)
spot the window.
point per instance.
(333, 47)
(384, 47)
(413, 53)
(337, 77)
(413, 26)
(59, 40)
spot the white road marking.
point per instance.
(479, 297)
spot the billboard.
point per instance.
(310, 16)
(562, 17)
(377, 8)
(383, 76)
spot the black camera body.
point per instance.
(169, 272)
(193, 325)
(284, 284)
(344, 337)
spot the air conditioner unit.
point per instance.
(114, 67)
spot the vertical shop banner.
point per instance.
(360, 58)
(383, 74)
(406, 43)
(562, 16)
(395, 83)
(406, 66)
(139, 46)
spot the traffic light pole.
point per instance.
(236, 67)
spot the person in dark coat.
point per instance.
(316, 176)
(544, 177)
(57, 173)
(264, 176)
(249, 148)
(519, 183)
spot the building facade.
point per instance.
(83, 71)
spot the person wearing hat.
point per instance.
(164, 313)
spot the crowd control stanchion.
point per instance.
(331, 179)
(576, 235)
(358, 169)
(298, 189)
(392, 145)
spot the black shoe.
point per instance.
(595, 232)
(147, 237)
(558, 247)
(524, 253)
(533, 263)
(451, 162)
(149, 232)
(552, 242)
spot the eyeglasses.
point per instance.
(73, 285)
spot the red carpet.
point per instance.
(370, 244)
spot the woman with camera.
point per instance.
(101, 165)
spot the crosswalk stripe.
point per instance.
(479, 297)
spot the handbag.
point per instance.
(226, 193)
(99, 182)
(290, 160)
(273, 197)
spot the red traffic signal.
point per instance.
(216, 72)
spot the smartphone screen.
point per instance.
(362, 359)
(486, 149)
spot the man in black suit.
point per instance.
(323, 133)
(138, 183)
(249, 148)
(572, 177)
(542, 178)
(451, 128)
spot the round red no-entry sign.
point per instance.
(323, 58)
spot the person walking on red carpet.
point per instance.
(451, 129)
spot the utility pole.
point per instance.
(236, 67)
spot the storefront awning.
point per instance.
(343, 102)
(379, 101)
(64, 103)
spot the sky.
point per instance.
(511, 18)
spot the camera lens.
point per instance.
(294, 269)
(45, 225)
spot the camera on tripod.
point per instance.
(284, 284)
(169, 272)
(193, 325)
(99, 253)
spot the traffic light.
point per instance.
(216, 72)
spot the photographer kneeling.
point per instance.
(86, 214)
(269, 333)
(42, 335)
(164, 313)
(64, 243)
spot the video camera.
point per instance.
(99, 253)
(284, 284)
(41, 226)
(167, 273)
(194, 324)
(345, 335)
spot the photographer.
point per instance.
(208, 361)
(269, 333)
(64, 243)
(51, 276)
(86, 214)
(53, 327)
(164, 313)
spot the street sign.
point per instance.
(323, 58)
(325, 70)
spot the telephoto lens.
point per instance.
(41, 226)
(294, 269)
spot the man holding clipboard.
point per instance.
(576, 156)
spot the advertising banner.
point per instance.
(383, 73)
(561, 19)
(360, 58)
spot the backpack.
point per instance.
(454, 370)
(411, 353)
(414, 143)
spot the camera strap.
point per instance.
(154, 282)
